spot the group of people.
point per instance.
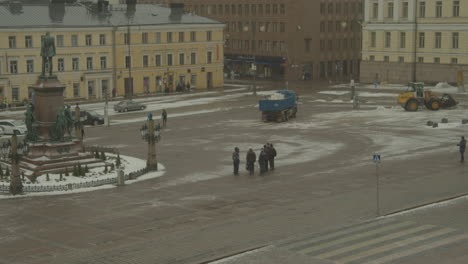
(266, 159)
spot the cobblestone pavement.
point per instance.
(321, 194)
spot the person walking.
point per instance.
(462, 146)
(236, 160)
(266, 149)
(271, 156)
(250, 161)
(164, 117)
(262, 161)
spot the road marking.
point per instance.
(387, 228)
(346, 230)
(374, 241)
(396, 244)
(413, 251)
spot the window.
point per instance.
(338, 8)
(267, 45)
(330, 8)
(260, 9)
(322, 8)
(157, 60)
(438, 40)
(29, 66)
(436, 60)
(388, 39)
(420, 59)
(322, 44)
(61, 64)
(330, 26)
(422, 9)
(454, 60)
(208, 35)
(144, 37)
(401, 59)
(181, 36)
(128, 61)
(371, 58)
(12, 42)
(233, 9)
(282, 27)
(169, 37)
(14, 67)
(404, 13)
(421, 40)
(282, 9)
(209, 57)
(375, 10)
(75, 64)
(455, 40)
(102, 39)
(193, 36)
(386, 59)
(267, 9)
(181, 58)
(239, 10)
(59, 39)
(390, 10)
(193, 58)
(145, 60)
(330, 44)
(322, 26)
(169, 59)
(373, 39)
(74, 40)
(28, 42)
(438, 9)
(15, 94)
(402, 40)
(307, 43)
(89, 40)
(253, 8)
(89, 63)
(126, 38)
(103, 63)
(76, 89)
(91, 90)
(226, 9)
(158, 37)
(456, 8)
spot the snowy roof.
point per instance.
(87, 15)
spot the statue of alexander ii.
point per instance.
(47, 52)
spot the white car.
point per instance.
(11, 127)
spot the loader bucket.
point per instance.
(447, 101)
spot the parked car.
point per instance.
(11, 127)
(91, 118)
(129, 105)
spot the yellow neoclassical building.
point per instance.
(122, 49)
(414, 40)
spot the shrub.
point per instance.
(61, 177)
(75, 171)
(105, 168)
(7, 172)
(103, 155)
(96, 155)
(118, 163)
(66, 171)
(86, 170)
(47, 177)
(112, 167)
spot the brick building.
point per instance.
(292, 39)
(409, 40)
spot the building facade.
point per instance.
(287, 39)
(414, 40)
(118, 51)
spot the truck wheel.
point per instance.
(434, 104)
(412, 105)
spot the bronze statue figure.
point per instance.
(47, 52)
(30, 123)
(68, 119)
(58, 129)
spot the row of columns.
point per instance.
(368, 10)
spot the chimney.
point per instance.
(177, 10)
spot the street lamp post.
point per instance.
(106, 114)
(254, 66)
(15, 151)
(151, 134)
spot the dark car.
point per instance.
(91, 118)
(130, 105)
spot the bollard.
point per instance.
(120, 177)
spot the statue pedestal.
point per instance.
(48, 98)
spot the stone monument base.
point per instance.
(56, 158)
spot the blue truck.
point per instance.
(279, 107)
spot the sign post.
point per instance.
(376, 159)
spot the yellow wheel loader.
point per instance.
(415, 96)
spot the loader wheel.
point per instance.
(434, 104)
(412, 105)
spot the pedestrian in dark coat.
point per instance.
(266, 149)
(236, 160)
(462, 145)
(271, 156)
(250, 161)
(164, 117)
(262, 161)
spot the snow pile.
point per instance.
(276, 96)
(443, 85)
